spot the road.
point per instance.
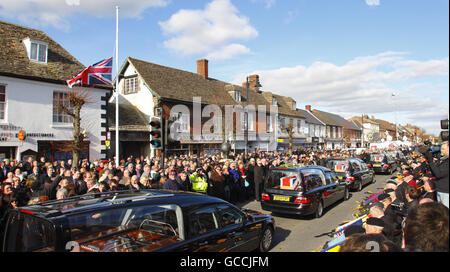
(297, 234)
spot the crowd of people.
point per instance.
(235, 178)
(410, 214)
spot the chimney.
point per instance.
(202, 67)
(308, 108)
(253, 83)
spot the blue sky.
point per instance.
(346, 56)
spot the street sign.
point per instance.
(21, 135)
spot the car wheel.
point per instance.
(266, 240)
(319, 210)
(346, 194)
(359, 186)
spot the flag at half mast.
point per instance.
(99, 73)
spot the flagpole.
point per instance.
(117, 87)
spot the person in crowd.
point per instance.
(171, 183)
(217, 183)
(426, 228)
(134, 183)
(369, 243)
(439, 169)
(374, 225)
(199, 181)
(183, 181)
(258, 178)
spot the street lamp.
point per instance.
(257, 85)
(395, 106)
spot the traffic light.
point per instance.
(156, 132)
(444, 127)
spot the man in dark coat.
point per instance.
(440, 172)
(171, 183)
(258, 178)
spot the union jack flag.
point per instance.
(99, 73)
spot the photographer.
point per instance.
(439, 169)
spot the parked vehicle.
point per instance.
(302, 190)
(137, 221)
(382, 163)
(353, 170)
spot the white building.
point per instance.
(33, 74)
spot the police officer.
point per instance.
(198, 181)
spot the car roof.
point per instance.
(302, 168)
(344, 159)
(100, 201)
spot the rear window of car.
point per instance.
(284, 180)
(377, 157)
(27, 233)
(339, 166)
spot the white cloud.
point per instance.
(365, 85)
(268, 3)
(228, 51)
(55, 12)
(213, 31)
(373, 2)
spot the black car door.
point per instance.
(358, 173)
(241, 236)
(330, 190)
(204, 231)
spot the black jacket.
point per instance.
(258, 174)
(440, 172)
(45, 189)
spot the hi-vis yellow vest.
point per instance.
(199, 184)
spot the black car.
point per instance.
(302, 190)
(398, 156)
(137, 221)
(382, 163)
(353, 170)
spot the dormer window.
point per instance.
(294, 105)
(37, 51)
(274, 101)
(236, 95)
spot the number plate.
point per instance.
(377, 165)
(282, 198)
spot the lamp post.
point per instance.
(395, 106)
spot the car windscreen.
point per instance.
(340, 167)
(135, 226)
(283, 180)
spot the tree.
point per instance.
(290, 129)
(76, 101)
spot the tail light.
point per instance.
(350, 178)
(265, 196)
(369, 165)
(386, 166)
(302, 200)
